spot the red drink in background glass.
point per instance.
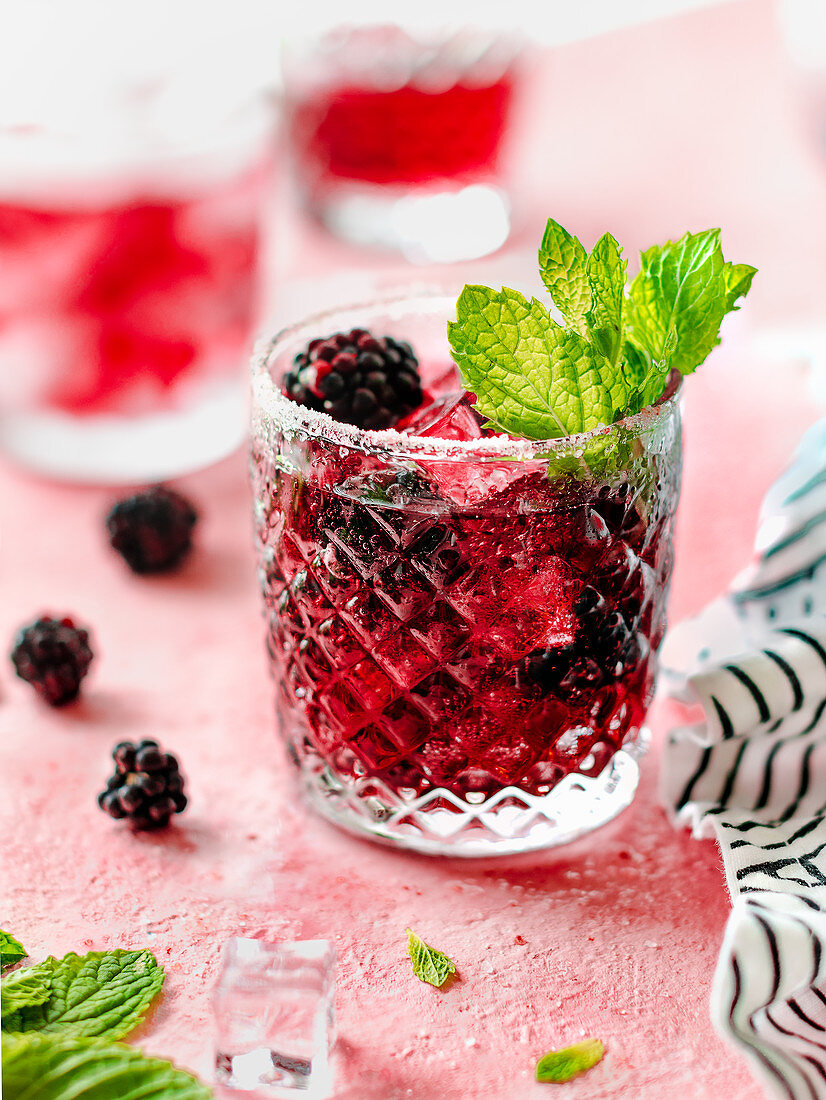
(128, 297)
(405, 135)
(463, 629)
(133, 299)
(380, 119)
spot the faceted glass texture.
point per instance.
(462, 632)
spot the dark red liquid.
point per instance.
(405, 136)
(129, 300)
(427, 636)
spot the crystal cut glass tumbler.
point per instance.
(462, 630)
(399, 135)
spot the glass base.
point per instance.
(506, 823)
(427, 227)
(119, 450)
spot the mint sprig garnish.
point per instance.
(11, 950)
(429, 965)
(531, 377)
(42, 1067)
(103, 993)
(612, 355)
(558, 1066)
(686, 286)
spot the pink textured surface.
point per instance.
(621, 932)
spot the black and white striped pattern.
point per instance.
(787, 579)
(752, 773)
(762, 745)
(754, 776)
(768, 995)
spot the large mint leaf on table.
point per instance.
(42, 1067)
(686, 286)
(104, 993)
(531, 377)
(563, 265)
(11, 950)
(21, 989)
(606, 279)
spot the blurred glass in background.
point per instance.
(131, 211)
(803, 23)
(398, 135)
(140, 194)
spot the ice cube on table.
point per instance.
(274, 1017)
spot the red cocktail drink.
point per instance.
(462, 626)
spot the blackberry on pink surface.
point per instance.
(147, 787)
(372, 382)
(152, 530)
(53, 655)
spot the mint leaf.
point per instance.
(685, 286)
(606, 279)
(563, 266)
(636, 366)
(20, 989)
(40, 1067)
(562, 1065)
(738, 282)
(650, 378)
(612, 357)
(429, 965)
(11, 950)
(104, 993)
(531, 377)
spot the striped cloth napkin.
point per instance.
(751, 771)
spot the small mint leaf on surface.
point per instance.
(103, 993)
(561, 1065)
(429, 965)
(531, 377)
(563, 264)
(11, 950)
(44, 1067)
(22, 988)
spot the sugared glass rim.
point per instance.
(288, 416)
